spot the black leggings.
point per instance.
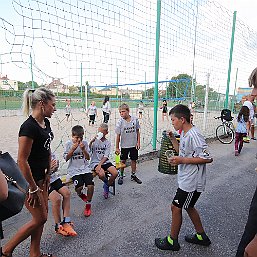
(106, 117)
(250, 227)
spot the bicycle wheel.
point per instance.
(225, 134)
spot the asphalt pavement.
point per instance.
(127, 224)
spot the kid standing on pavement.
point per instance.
(128, 138)
(92, 113)
(100, 163)
(57, 190)
(241, 129)
(191, 162)
(77, 153)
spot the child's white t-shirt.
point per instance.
(192, 177)
(128, 132)
(78, 164)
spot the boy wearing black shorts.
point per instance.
(128, 138)
(77, 153)
(100, 163)
(191, 162)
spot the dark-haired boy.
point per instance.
(191, 162)
(77, 153)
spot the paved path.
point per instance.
(126, 224)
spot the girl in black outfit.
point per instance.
(164, 109)
(106, 109)
(34, 153)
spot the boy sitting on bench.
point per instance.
(100, 150)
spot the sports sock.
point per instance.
(66, 219)
(171, 240)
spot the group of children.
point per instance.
(87, 160)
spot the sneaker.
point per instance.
(236, 153)
(68, 228)
(106, 190)
(59, 230)
(163, 244)
(136, 179)
(83, 197)
(253, 138)
(87, 211)
(199, 239)
(120, 180)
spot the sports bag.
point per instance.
(17, 187)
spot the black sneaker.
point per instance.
(135, 178)
(199, 239)
(163, 244)
(120, 180)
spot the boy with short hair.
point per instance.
(128, 138)
(77, 153)
(100, 150)
(59, 195)
(191, 162)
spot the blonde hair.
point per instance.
(124, 107)
(104, 126)
(31, 97)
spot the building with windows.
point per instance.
(8, 84)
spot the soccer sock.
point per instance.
(201, 236)
(171, 240)
(66, 219)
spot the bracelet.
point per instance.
(32, 192)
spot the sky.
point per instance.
(116, 69)
(246, 10)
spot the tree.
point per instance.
(29, 84)
(181, 88)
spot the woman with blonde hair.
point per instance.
(34, 157)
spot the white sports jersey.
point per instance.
(78, 164)
(128, 132)
(98, 151)
(192, 177)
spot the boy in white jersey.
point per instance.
(128, 138)
(191, 162)
(77, 153)
(100, 163)
(92, 113)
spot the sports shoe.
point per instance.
(163, 244)
(199, 239)
(87, 211)
(120, 180)
(83, 197)
(68, 228)
(106, 190)
(236, 153)
(136, 179)
(59, 230)
(253, 138)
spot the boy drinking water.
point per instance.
(100, 150)
(77, 153)
(191, 162)
(128, 138)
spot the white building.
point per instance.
(8, 84)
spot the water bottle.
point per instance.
(117, 158)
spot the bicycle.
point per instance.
(225, 132)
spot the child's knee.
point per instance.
(55, 198)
